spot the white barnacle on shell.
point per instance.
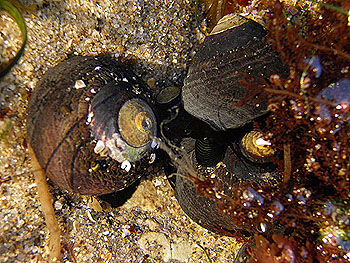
(116, 147)
(100, 147)
(262, 142)
(89, 117)
(154, 145)
(126, 165)
(152, 158)
(79, 84)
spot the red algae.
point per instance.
(306, 216)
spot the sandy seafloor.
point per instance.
(150, 227)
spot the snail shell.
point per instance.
(212, 90)
(234, 168)
(89, 124)
(213, 93)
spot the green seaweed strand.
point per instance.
(17, 16)
(332, 7)
(206, 252)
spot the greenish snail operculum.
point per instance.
(132, 140)
(137, 122)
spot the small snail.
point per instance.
(231, 166)
(90, 123)
(231, 150)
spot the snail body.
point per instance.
(90, 123)
(213, 93)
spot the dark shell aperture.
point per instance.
(212, 90)
(90, 123)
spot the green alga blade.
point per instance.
(17, 16)
(332, 7)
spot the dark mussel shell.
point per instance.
(89, 124)
(212, 90)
